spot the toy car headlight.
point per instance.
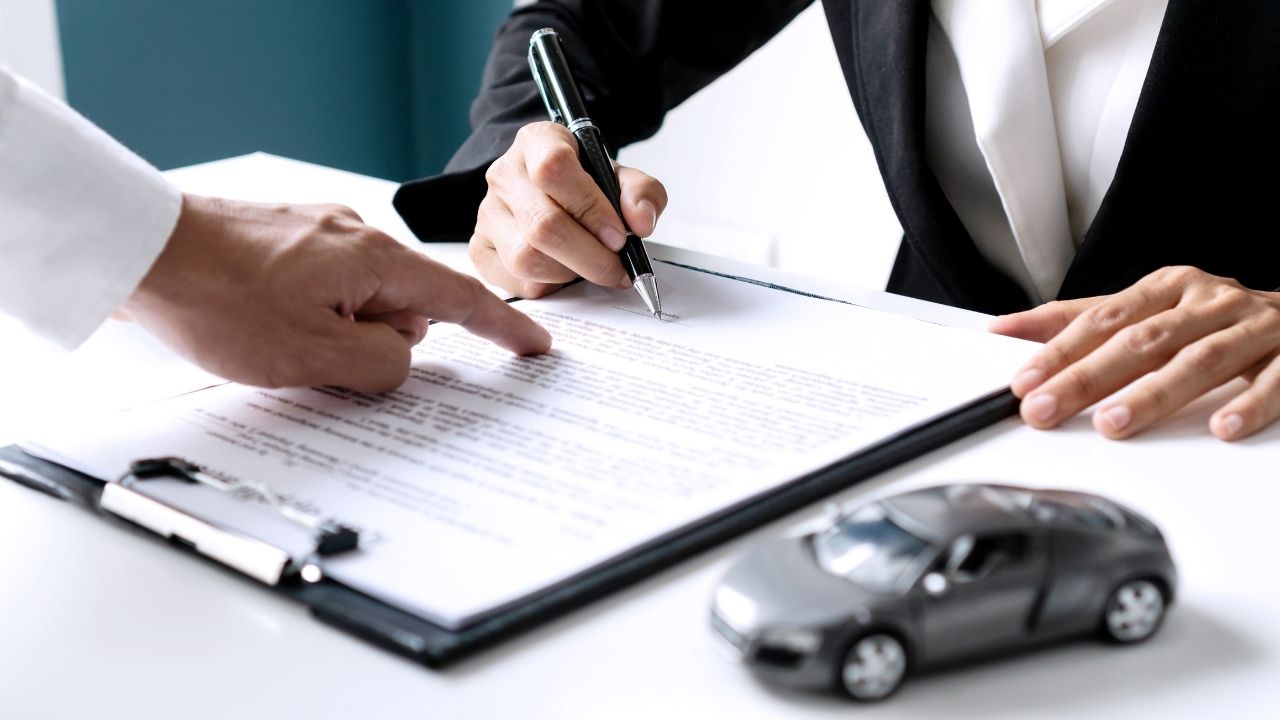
(735, 608)
(804, 641)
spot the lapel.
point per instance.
(888, 58)
(1211, 62)
(999, 48)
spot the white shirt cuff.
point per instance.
(82, 218)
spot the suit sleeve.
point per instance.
(82, 219)
(634, 60)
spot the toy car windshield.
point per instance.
(869, 549)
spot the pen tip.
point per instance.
(647, 287)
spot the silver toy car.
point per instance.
(940, 574)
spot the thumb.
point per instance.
(1041, 323)
(643, 200)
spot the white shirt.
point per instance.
(1028, 107)
(82, 219)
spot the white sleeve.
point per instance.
(82, 219)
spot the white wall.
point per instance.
(29, 42)
(807, 177)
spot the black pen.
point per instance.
(565, 106)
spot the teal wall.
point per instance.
(379, 87)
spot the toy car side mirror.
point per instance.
(832, 514)
(936, 584)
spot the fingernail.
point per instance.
(1027, 380)
(651, 211)
(1117, 417)
(1041, 407)
(612, 238)
(1231, 424)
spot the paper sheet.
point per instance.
(487, 477)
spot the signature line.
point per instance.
(666, 317)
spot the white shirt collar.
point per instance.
(1059, 17)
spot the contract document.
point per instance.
(486, 478)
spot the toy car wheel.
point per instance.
(1134, 612)
(873, 667)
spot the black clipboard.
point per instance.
(434, 646)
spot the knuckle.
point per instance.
(1206, 357)
(1268, 319)
(535, 290)
(661, 191)
(493, 174)
(1145, 339)
(1106, 317)
(1056, 309)
(545, 230)
(553, 166)
(422, 328)
(650, 186)
(1151, 397)
(1178, 276)
(336, 214)
(526, 133)
(606, 272)
(1229, 299)
(382, 374)
(538, 132)
(525, 261)
(371, 239)
(472, 288)
(330, 221)
(485, 212)
(276, 373)
(1051, 357)
(1080, 383)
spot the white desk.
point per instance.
(98, 622)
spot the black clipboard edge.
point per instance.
(403, 633)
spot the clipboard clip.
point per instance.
(251, 556)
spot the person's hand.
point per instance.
(1192, 330)
(307, 295)
(544, 221)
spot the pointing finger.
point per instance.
(424, 286)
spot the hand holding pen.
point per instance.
(545, 221)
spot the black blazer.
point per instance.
(1196, 183)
